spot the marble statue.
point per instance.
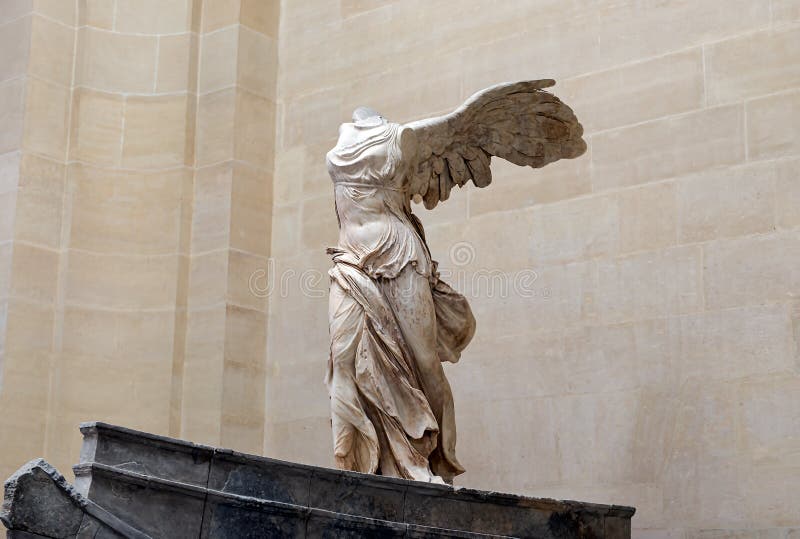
(392, 320)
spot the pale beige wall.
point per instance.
(136, 146)
(36, 69)
(224, 359)
(657, 363)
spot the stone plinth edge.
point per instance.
(39, 502)
(137, 485)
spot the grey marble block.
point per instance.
(136, 485)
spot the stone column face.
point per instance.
(223, 369)
(135, 202)
(36, 84)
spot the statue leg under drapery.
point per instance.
(412, 302)
(391, 405)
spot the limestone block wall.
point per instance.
(136, 148)
(653, 357)
(36, 51)
(218, 392)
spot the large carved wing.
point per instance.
(518, 121)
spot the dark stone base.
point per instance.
(137, 485)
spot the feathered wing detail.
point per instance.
(517, 121)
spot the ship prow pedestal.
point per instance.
(131, 484)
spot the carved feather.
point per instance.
(445, 182)
(518, 121)
(458, 169)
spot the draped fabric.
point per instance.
(374, 216)
(382, 417)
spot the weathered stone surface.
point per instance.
(146, 454)
(137, 485)
(40, 503)
(36, 502)
(236, 473)
(495, 513)
(356, 494)
(158, 507)
(240, 517)
(328, 524)
(617, 528)
(16, 534)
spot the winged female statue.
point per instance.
(392, 320)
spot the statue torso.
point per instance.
(375, 223)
